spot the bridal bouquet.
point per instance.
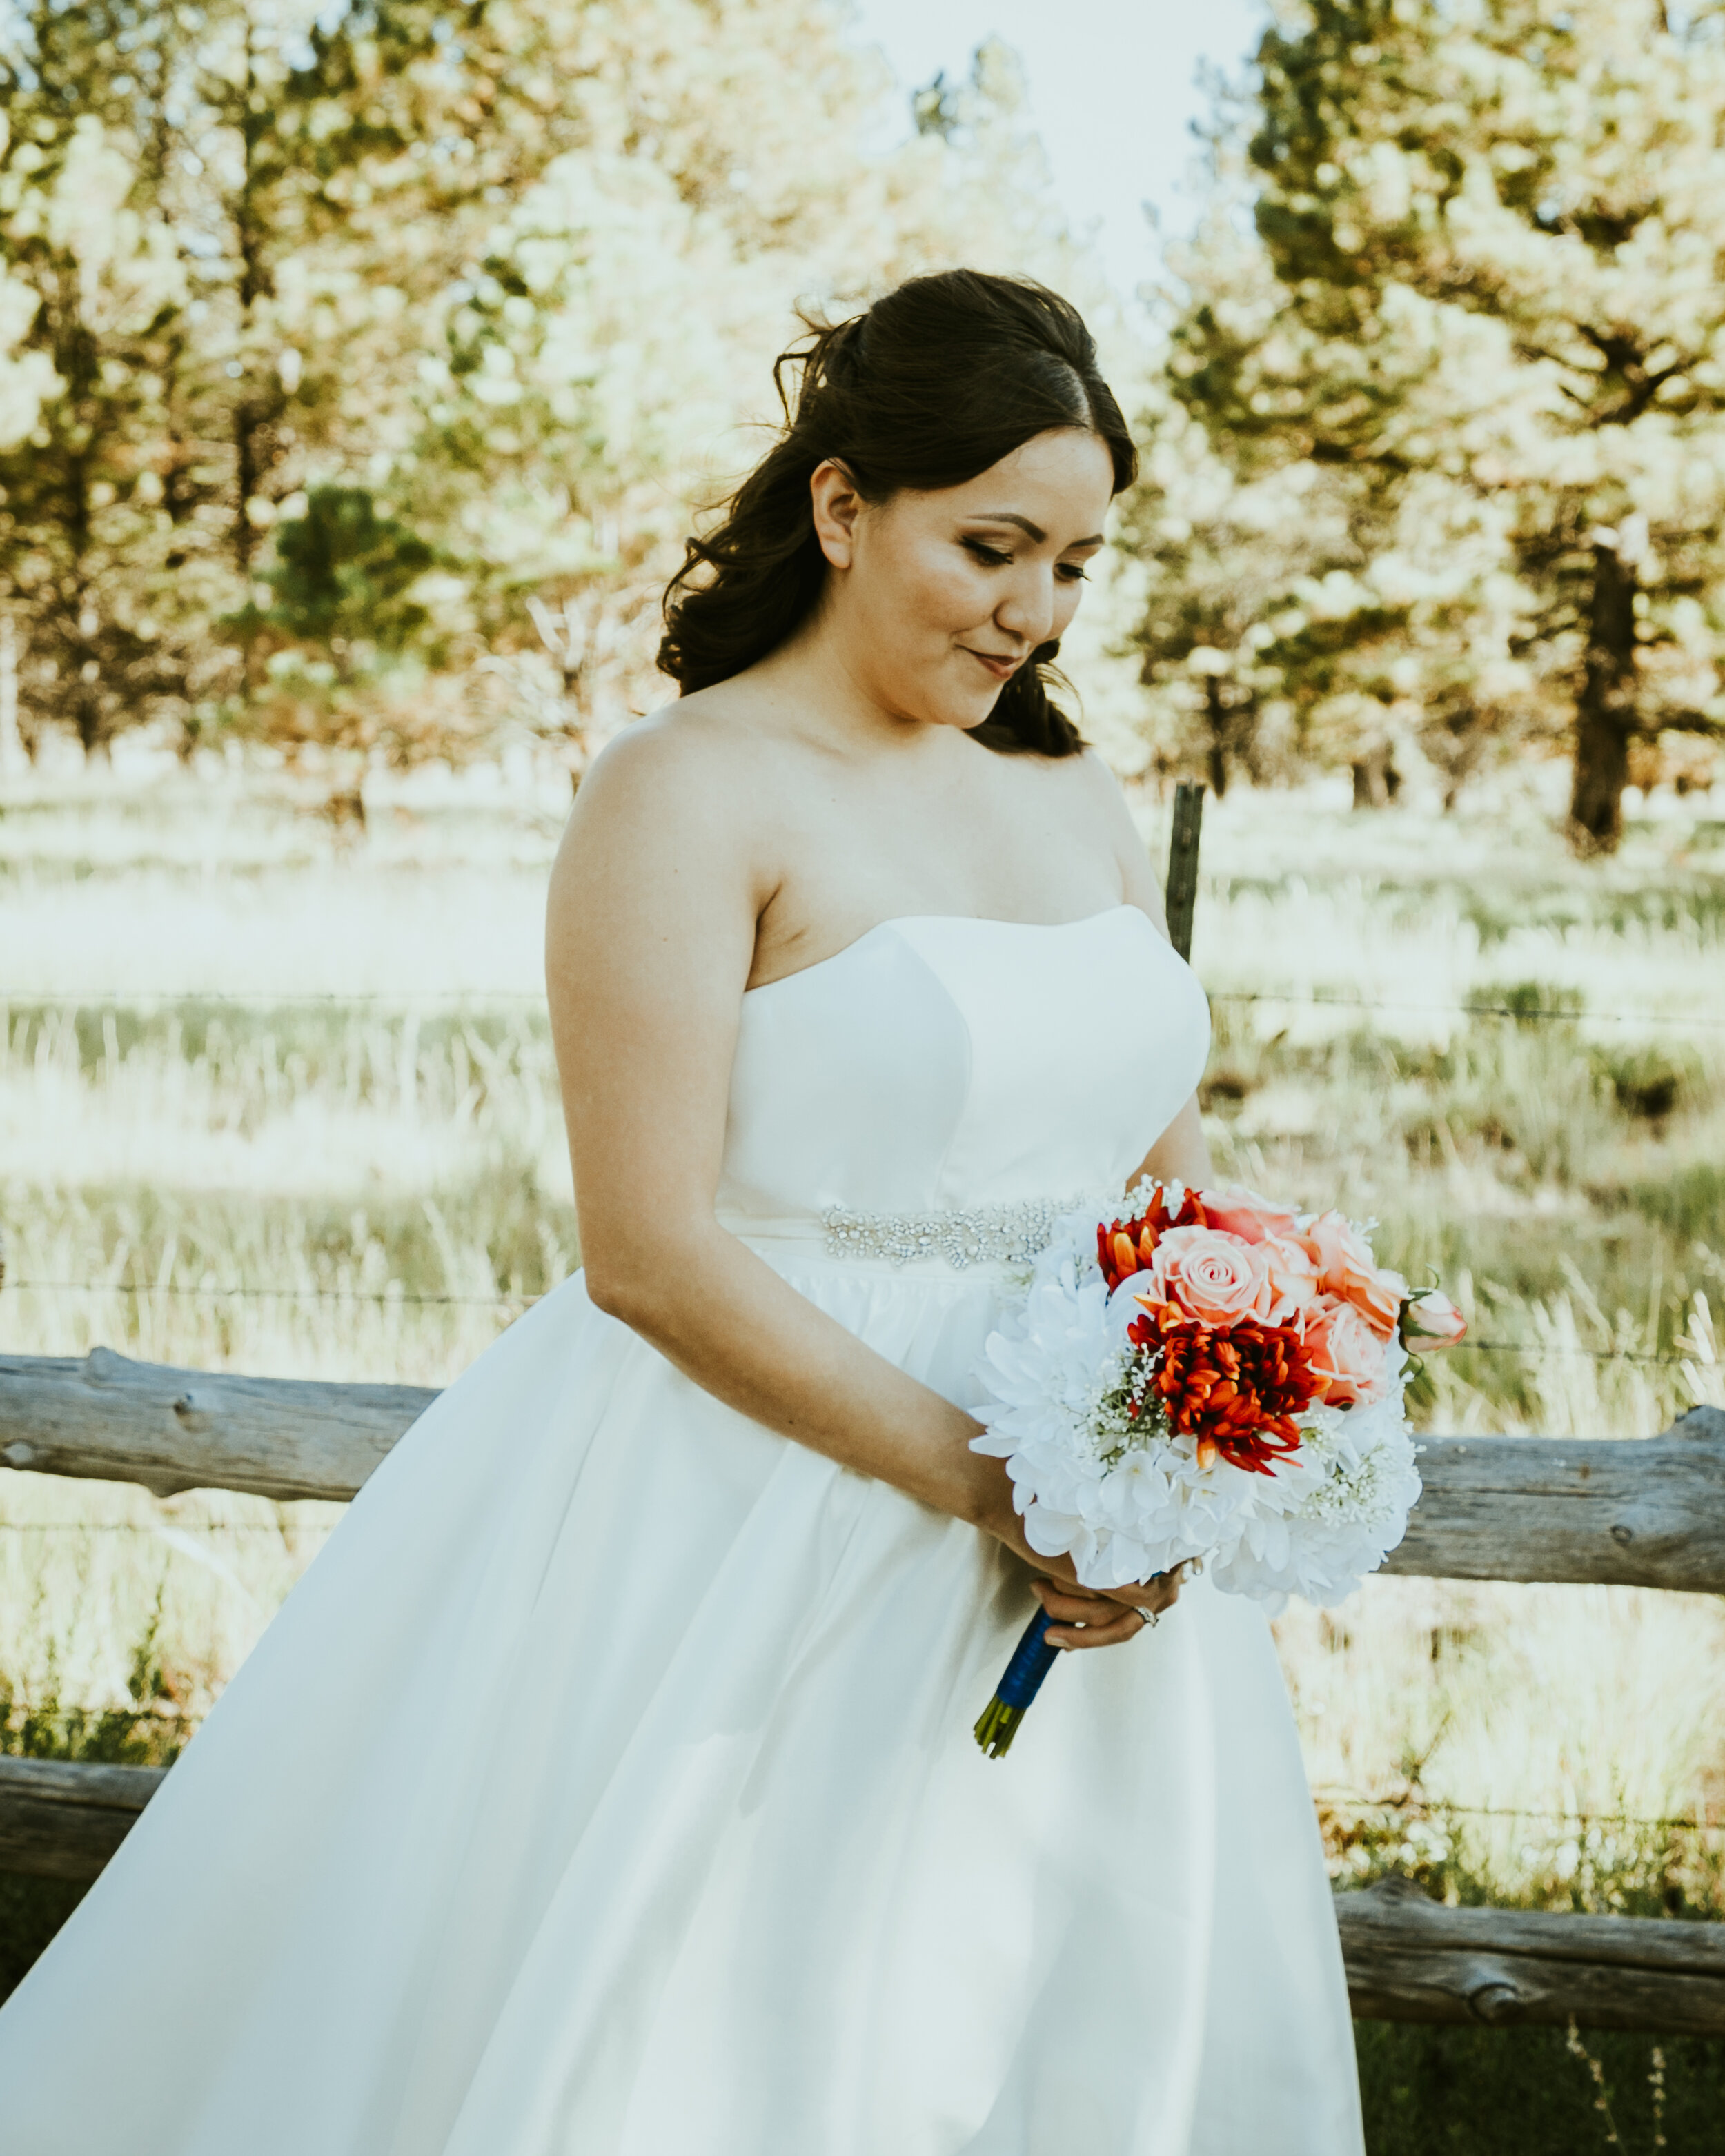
(1211, 1379)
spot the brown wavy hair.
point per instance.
(935, 383)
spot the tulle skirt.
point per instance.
(607, 1787)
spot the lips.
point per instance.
(1002, 670)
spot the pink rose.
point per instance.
(1432, 1320)
(1347, 1357)
(1214, 1278)
(1290, 1288)
(1335, 1245)
(1347, 1273)
(1238, 1212)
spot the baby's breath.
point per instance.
(1127, 1415)
(1350, 1484)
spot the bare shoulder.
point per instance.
(686, 759)
(678, 783)
(1106, 801)
(1101, 788)
(662, 849)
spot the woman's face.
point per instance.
(936, 599)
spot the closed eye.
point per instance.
(992, 558)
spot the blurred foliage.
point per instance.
(150, 1732)
(1438, 2091)
(1438, 456)
(1435, 460)
(439, 304)
(344, 575)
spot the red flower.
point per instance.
(1125, 1247)
(1236, 1391)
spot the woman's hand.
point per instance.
(1086, 1617)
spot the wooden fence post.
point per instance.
(1182, 864)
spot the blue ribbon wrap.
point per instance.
(1032, 1659)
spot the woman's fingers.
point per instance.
(1158, 1594)
(1086, 1619)
(1076, 1604)
(1099, 1632)
(1155, 1595)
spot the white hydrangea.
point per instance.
(1125, 1497)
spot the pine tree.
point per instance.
(472, 285)
(1550, 170)
(204, 314)
(93, 282)
(1322, 583)
(604, 358)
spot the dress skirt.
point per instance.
(607, 1787)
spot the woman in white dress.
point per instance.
(607, 1787)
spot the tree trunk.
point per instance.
(11, 744)
(1605, 709)
(1376, 780)
(86, 715)
(1216, 712)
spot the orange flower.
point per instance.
(1125, 1247)
(1236, 1393)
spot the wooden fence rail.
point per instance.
(1642, 1512)
(1408, 1958)
(62, 1818)
(1411, 1959)
(120, 1421)
(1619, 1511)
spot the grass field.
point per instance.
(277, 1103)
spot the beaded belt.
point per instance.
(973, 1236)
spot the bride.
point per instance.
(607, 1787)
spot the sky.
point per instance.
(1113, 90)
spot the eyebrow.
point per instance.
(1034, 531)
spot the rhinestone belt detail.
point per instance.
(978, 1234)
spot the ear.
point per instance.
(837, 505)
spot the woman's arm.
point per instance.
(1181, 1154)
(649, 941)
(650, 938)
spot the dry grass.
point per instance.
(390, 1172)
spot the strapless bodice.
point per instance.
(940, 1063)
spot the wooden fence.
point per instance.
(1638, 1512)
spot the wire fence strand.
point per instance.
(533, 999)
(1416, 1807)
(501, 1299)
(1410, 1807)
(1517, 1012)
(176, 1527)
(523, 1299)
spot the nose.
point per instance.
(1026, 611)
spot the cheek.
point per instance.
(944, 592)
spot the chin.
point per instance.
(965, 717)
(966, 712)
(952, 703)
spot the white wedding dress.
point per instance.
(607, 1787)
